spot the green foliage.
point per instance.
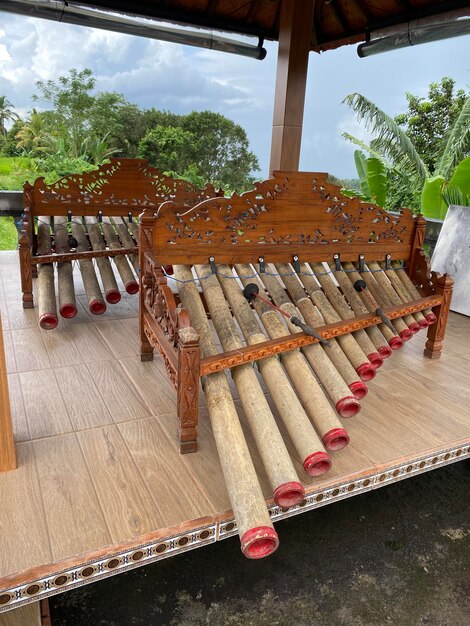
(168, 148)
(420, 158)
(431, 198)
(428, 120)
(8, 234)
(6, 113)
(81, 128)
(71, 104)
(205, 144)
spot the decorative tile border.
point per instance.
(140, 555)
(91, 571)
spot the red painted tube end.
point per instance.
(385, 351)
(432, 319)
(348, 406)
(97, 307)
(317, 463)
(406, 334)
(366, 372)
(113, 296)
(414, 327)
(259, 542)
(395, 343)
(359, 389)
(68, 310)
(132, 287)
(169, 270)
(336, 439)
(423, 323)
(375, 360)
(289, 494)
(48, 321)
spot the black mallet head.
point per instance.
(251, 291)
(360, 285)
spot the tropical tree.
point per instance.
(6, 113)
(406, 167)
(71, 102)
(33, 138)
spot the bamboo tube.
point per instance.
(345, 312)
(126, 240)
(122, 264)
(282, 476)
(111, 290)
(316, 405)
(380, 297)
(381, 335)
(348, 343)
(46, 291)
(257, 535)
(389, 295)
(96, 304)
(412, 290)
(67, 301)
(134, 229)
(332, 381)
(314, 317)
(403, 293)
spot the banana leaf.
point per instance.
(361, 166)
(432, 204)
(461, 177)
(377, 180)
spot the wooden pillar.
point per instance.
(295, 32)
(7, 445)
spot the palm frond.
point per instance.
(458, 143)
(394, 142)
(368, 148)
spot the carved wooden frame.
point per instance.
(176, 234)
(122, 187)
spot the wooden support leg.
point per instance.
(24, 248)
(188, 389)
(7, 444)
(146, 350)
(443, 285)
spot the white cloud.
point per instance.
(179, 78)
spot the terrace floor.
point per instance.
(101, 488)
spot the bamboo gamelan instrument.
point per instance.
(298, 294)
(90, 219)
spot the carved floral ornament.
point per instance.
(121, 182)
(296, 208)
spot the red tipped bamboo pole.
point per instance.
(257, 535)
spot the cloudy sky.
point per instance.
(182, 79)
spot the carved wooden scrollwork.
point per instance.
(296, 211)
(130, 183)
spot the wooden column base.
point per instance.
(28, 304)
(443, 286)
(145, 354)
(432, 354)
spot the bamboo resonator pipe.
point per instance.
(46, 292)
(111, 290)
(67, 300)
(257, 535)
(121, 262)
(96, 303)
(283, 479)
(276, 376)
(332, 381)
